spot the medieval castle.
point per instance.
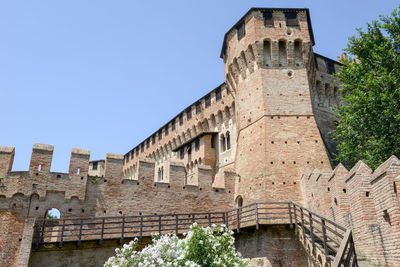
(263, 136)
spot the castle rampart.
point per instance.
(365, 200)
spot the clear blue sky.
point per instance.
(104, 75)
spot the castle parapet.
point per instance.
(365, 200)
(6, 159)
(41, 158)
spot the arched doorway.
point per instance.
(239, 202)
(53, 214)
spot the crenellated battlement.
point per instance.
(363, 199)
(77, 193)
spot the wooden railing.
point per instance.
(321, 234)
(325, 241)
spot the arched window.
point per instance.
(161, 173)
(53, 214)
(223, 143)
(267, 53)
(239, 202)
(228, 140)
(298, 57)
(282, 53)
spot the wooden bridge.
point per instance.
(326, 242)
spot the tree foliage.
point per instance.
(369, 116)
(211, 246)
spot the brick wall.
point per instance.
(365, 200)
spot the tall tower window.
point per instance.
(142, 147)
(218, 94)
(166, 130)
(197, 144)
(198, 107)
(241, 31)
(94, 167)
(189, 113)
(291, 19)
(147, 143)
(153, 139)
(228, 140)
(173, 125)
(298, 57)
(159, 134)
(267, 53)
(282, 53)
(207, 100)
(180, 119)
(268, 19)
(330, 67)
(223, 144)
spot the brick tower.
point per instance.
(269, 69)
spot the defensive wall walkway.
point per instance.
(326, 242)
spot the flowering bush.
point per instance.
(201, 246)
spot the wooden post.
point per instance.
(102, 232)
(159, 225)
(342, 249)
(141, 229)
(295, 215)
(302, 223)
(37, 235)
(121, 240)
(209, 219)
(311, 229)
(224, 218)
(80, 234)
(325, 239)
(62, 234)
(227, 220)
(290, 216)
(176, 224)
(238, 220)
(257, 224)
(193, 219)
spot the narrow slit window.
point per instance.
(78, 170)
(142, 147)
(40, 167)
(197, 144)
(153, 139)
(147, 143)
(166, 130)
